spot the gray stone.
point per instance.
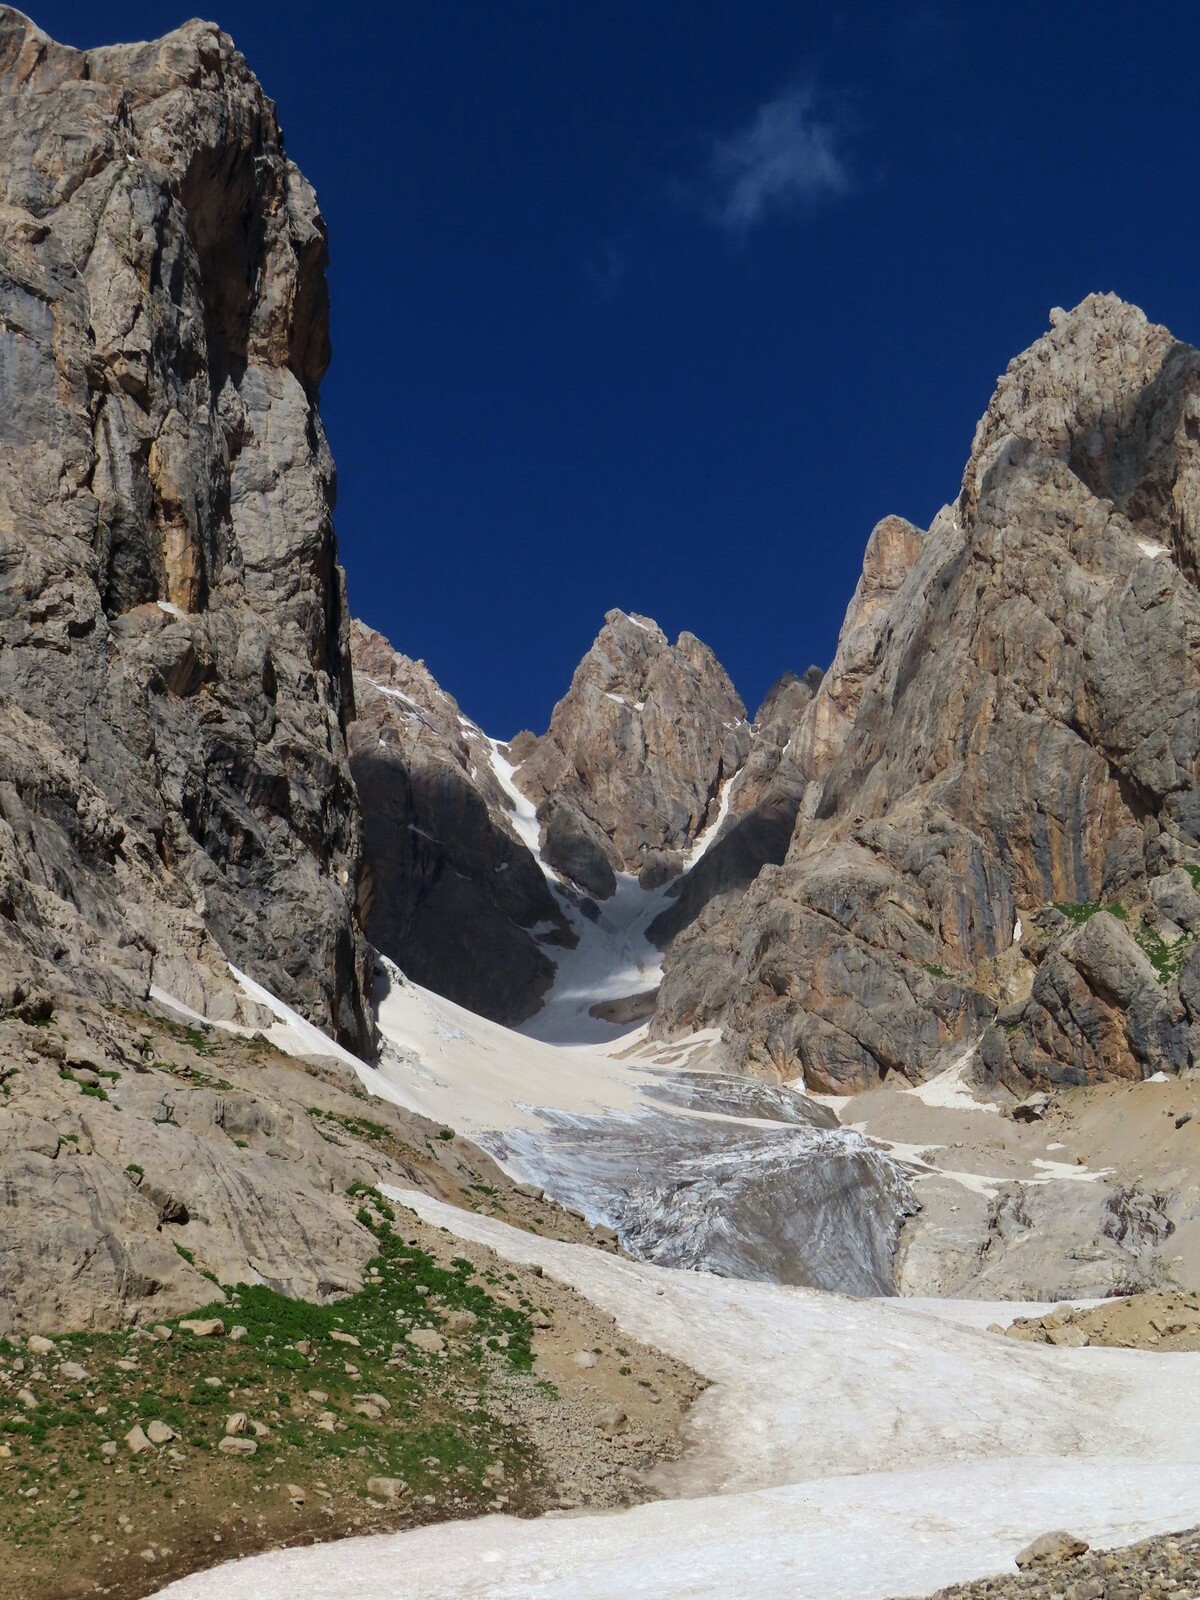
(1050, 1548)
(174, 674)
(427, 1339)
(387, 1488)
(233, 1446)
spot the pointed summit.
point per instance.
(631, 768)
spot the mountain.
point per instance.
(451, 891)
(979, 826)
(321, 1011)
(175, 683)
(1000, 834)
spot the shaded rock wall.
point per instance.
(451, 893)
(174, 683)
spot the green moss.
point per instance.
(1078, 912)
(358, 1127)
(135, 1170)
(429, 1435)
(935, 972)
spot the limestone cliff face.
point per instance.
(1013, 720)
(452, 893)
(174, 683)
(630, 771)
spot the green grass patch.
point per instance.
(357, 1127)
(1078, 912)
(431, 1429)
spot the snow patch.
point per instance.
(961, 1446)
(949, 1090)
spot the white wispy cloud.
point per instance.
(784, 162)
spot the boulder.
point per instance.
(1049, 1549)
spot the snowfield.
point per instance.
(846, 1450)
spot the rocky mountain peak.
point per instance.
(1009, 728)
(1089, 392)
(631, 769)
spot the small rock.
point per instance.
(238, 1332)
(162, 1332)
(318, 1395)
(364, 1408)
(296, 1494)
(1032, 1110)
(73, 1371)
(387, 1488)
(237, 1423)
(339, 1337)
(303, 1347)
(427, 1339)
(238, 1447)
(1069, 1338)
(584, 1358)
(1050, 1548)
(148, 1554)
(38, 1346)
(137, 1441)
(203, 1327)
(27, 1398)
(459, 1321)
(125, 1365)
(327, 1422)
(159, 1432)
(612, 1421)
(109, 1448)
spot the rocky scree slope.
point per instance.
(174, 677)
(1000, 834)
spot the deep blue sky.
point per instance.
(663, 303)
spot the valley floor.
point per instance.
(844, 1449)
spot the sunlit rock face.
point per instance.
(630, 771)
(1012, 722)
(174, 683)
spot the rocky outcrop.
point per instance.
(1013, 721)
(139, 1153)
(761, 805)
(631, 769)
(174, 683)
(451, 893)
